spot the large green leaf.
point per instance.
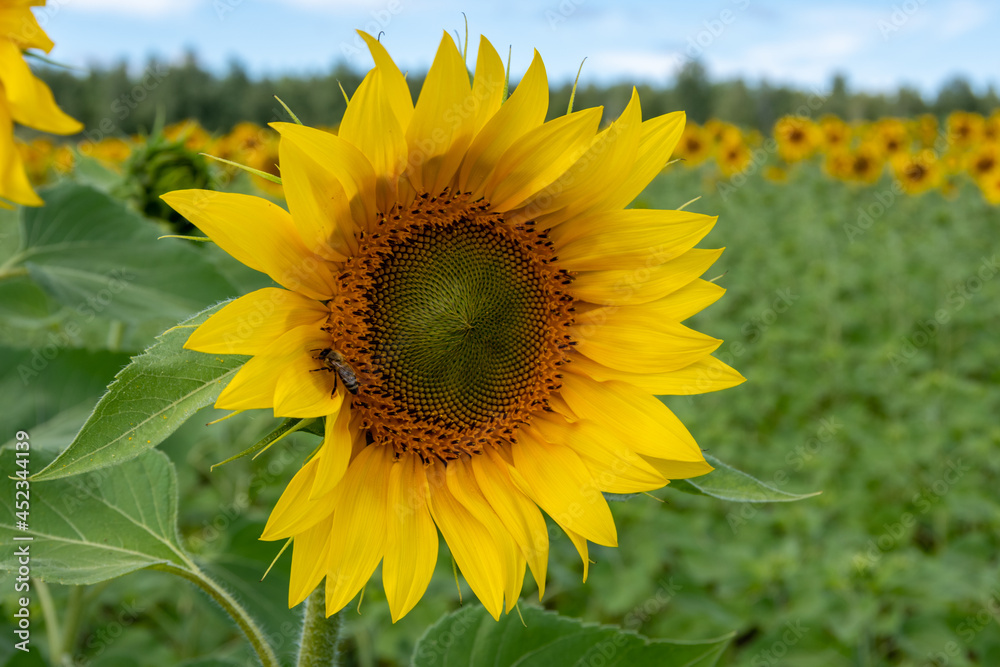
(149, 399)
(95, 527)
(470, 636)
(92, 254)
(728, 483)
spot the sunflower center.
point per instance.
(456, 325)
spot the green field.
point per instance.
(866, 324)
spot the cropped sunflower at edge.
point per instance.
(480, 320)
(24, 98)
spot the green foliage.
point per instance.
(536, 637)
(148, 400)
(727, 483)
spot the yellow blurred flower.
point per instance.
(917, 172)
(983, 161)
(891, 136)
(694, 146)
(836, 133)
(195, 137)
(965, 129)
(797, 138)
(24, 98)
(732, 157)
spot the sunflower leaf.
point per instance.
(96, 527)
(91, 254)
(728, 483)
(470, 636)
(148, 400)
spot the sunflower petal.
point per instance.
(258, 233)
(540, 157)
(520, 516)
(471, 544)
(643, 283)
(335, 456)
(294, 512)
(329, 183)
(359, 522)
(487, 84)
(639, 419)
(441, 128)
(252, 322)
(310, 550)
(29, 100)
(524, 111)
(703, 376)
(14, 184)
(411, 546)
(626, 238)
(562, 486)
(393, 80)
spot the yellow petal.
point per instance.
(659, 137)
(258, 233)
(359, 522)
(639, 419)
(462, 484)
(29, 100)
(540, 157)
(370, 125)
(20, 25)
(580, 542)
(471, 544)
(608, 161)
(629, 341)
(524, 111)
(14, 184)
(628, 238)
(254, 321)
(294, 512)
(520, 516)
(705, 375)
(680, 469)
(682, 304)
(611, 459)
(441, 127)
(306, 387)
(310, 551)
(393, 81)
(411, 546)
(487, 84)
(330, 179)
(562, 486)
(335, 455)
(644, 283)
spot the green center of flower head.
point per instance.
(456, 327)
(458, 321)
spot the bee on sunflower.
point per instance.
(481, 322)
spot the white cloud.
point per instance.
(138, 8)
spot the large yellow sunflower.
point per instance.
(23, 97)
(479, 319)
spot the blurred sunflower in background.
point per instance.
(24, 98)
(694, 146)
(482, 323)
(918, 172)
(798, 138)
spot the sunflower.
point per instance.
(24, 98)
(256, 147)
(835, 132)
(733, 157)
(797, 138)
(965, 129)
(891, 136)
(984, 161)
(694, 146)
(477, 317)
(862, 165)
(917, 173)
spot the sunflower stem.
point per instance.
(320, 642)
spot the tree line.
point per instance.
(118, 101)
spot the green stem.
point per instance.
(249, 627)
(51, 619)
(320, 643)
(14, 272)
(71, 620)
(115, 334)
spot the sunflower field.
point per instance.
(414, 388)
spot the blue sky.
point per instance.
(879, 45)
